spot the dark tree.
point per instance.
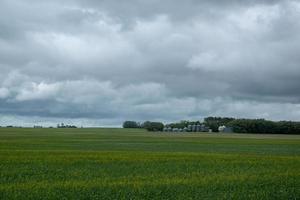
(153, 126)
(130, 124)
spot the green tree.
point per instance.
(130, 124)
(153, 126)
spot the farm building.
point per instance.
(225, 129)
(189, 128)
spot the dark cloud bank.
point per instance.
(101, 62)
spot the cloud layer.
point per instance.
(101, 62)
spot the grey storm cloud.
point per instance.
(101, 62)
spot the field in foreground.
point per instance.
(134, 164)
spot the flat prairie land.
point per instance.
(135, 164)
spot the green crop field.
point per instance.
(135, 164)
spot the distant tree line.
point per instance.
(238, 125)
(253, 125)
(150, 126)
(264, 126)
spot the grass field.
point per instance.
(135, 164)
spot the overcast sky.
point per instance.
(99, 62)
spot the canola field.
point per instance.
(136, 164)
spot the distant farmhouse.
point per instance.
(224, 129)
(222, 125)
(62, 125)
(189, 128)
(198, 128)
(209, 125)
